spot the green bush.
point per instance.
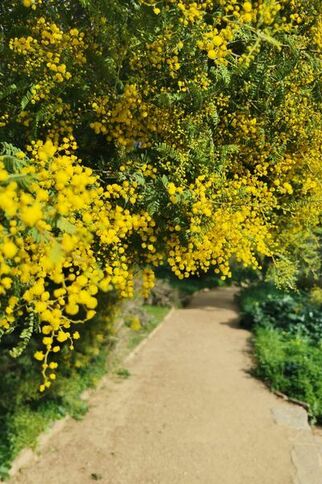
(291, 365)
(287, 329)
(292, 312)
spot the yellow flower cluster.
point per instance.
(4, 118)
(127, 120)
(268, 11)
(47, 50)
(191, 12)
(317, 33)
(148, 281)
(215, 42)
(216, 235)
(160, 56)
(48, 238)
(135, 323)
(31, 3)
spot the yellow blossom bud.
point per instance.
(39, 355)
(62, 336)
(9, 249)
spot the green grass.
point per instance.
(123, 373)
(20, 430)
(156, 315)
(21, 426)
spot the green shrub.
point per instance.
(291, 365)
(287, 340)
(292, 312)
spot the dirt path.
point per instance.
(189, 413)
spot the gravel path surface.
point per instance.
(189, 413)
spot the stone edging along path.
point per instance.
(189, 413)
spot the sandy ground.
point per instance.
(189, 413)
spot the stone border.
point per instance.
(306, 453)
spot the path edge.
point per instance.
(28, 455)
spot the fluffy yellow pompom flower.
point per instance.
(136, 324)
(247, 7)
(68, 242)
(47, 150)
(9, 249)
(212, 54)
(72, 309)
(47, 340)
(90, 314)
(171, 189)
(61, 337)
(217, 40)
(31, 215)
(39, 355)
(3, 174)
